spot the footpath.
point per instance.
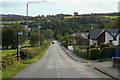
(104, 67)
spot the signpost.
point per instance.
(74, 42)
(18, 33)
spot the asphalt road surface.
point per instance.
(55, 63)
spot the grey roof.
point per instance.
(113, 32)
(77, 34)
(94, 33)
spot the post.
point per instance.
(17, 47)
(26, 25)
(88, 47)
(39, 38)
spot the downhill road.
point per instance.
(55, 63)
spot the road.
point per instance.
(55, 63)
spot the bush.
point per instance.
(7, 62)
(29, 54)
(104, 45)
(83, 54)
(93, 46)
(32, 52)
(94, 54)
(80, 53)
(83, 47)
(108, 52)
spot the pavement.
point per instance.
(56, 64)
(104, 67)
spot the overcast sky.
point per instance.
(59, 6)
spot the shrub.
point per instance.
(104, 45)
(83, 54)
(80, 53)
(83, 47)
(29, 54)
(7, 62)
(93, 46)
(108, 52)
(94, 54)
(76, 50)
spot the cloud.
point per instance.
(60, 6)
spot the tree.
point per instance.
(34, 38)
(81, 40)
(9, 36)
(75, 13)
(48, 34)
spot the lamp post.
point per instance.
(39, 36)
(27, 19)
(88, 46)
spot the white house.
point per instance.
(100, 36)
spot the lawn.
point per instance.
(13, 51)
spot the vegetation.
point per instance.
(9, 73)
(9, 36)
(108, 52)
(94, 54)
(29, 61)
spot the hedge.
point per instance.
(31, 53)
(80, 53)
(108, 52)
(94, 54)
(93, 46)
(104, 45)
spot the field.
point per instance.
(67, 17)
(10, 22)
(13, 51)
(111, 17)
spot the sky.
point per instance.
(52, 7)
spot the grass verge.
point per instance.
(9, 73)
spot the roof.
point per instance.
(113, 32)
(77, 34)
(95, 33)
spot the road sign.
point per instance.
(20, 33)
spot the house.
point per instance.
(85, 35)
(100, 36)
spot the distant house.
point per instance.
(85, 35)
(100, 36)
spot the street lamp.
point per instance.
(39, 36)
(27, 19)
